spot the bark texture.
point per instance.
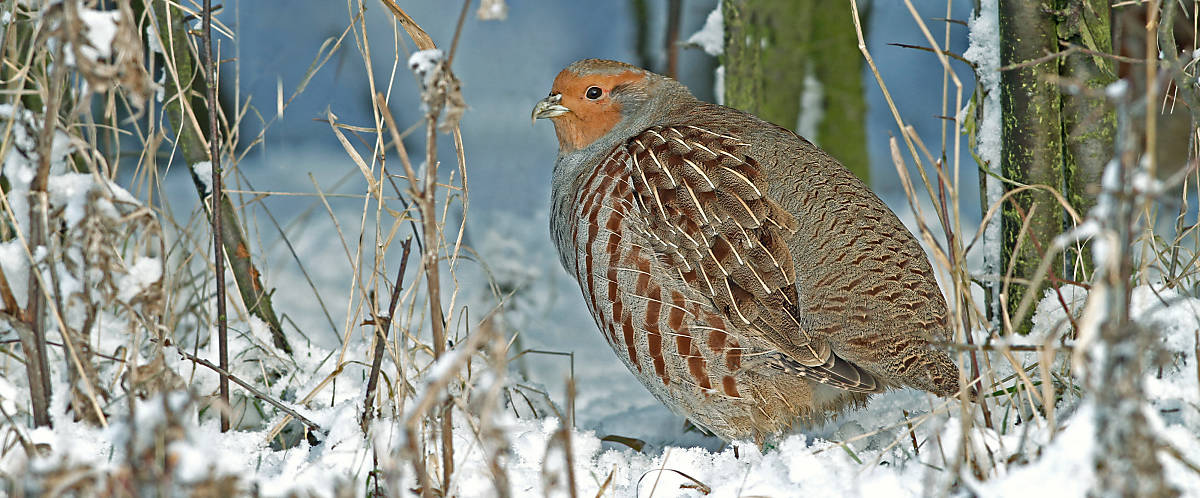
(1055, 133)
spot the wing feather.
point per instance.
(709, 213)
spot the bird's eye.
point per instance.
(594, 92)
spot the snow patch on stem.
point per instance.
(984, 52)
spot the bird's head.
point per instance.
(594, 98)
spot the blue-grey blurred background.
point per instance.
(505, 66)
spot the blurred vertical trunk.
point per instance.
(1051, 137)
(1089, 122)
(795, 63)
(671, 40)
(647, 58)
(838, 66)
(1173, 115)
(1127, 455)
(641, 33)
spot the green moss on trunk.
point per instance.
(1032, 136)
(1054, 133)
(838, 65)
(1089, 123)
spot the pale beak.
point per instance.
(548, 108)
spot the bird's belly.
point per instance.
(670, 336)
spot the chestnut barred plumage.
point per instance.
(744, 276)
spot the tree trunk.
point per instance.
(1126, 456)
(1089, 122)
(838, 66)
(1051, 137)
(1032, 135)
(795, 63)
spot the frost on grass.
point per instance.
(100, 30)
(103, 46)
(492, 10)
(441, 92)
(426, 65)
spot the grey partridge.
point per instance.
(746, 278)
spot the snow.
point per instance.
(1145, 184)
(1050, 319)
(425, 63)
(984, 52)
(152, 42)
(71, 190)
(203, 171)
(798, 464)
(1117, 89)
(142, 274)
(443, 365)
(1064, 467)
(812, 108)
(15, 264)
(20, 162)
(1171, 314)
(101, 28)
(10, 397)
(1104, 210)
(711, 37)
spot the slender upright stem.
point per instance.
(1152, 51)
(382, 325)
(433, 283)
(214, 152)
(34, 340)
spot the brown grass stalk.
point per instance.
(214, 156)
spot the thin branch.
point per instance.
(947, 53)
(1115, 57)
(382, 325)
(1045, 58)
(214, 153)
(462, 17)
(247, 386)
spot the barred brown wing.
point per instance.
(709, 216)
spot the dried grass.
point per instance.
(434, 365)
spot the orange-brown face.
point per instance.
(590, 111)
